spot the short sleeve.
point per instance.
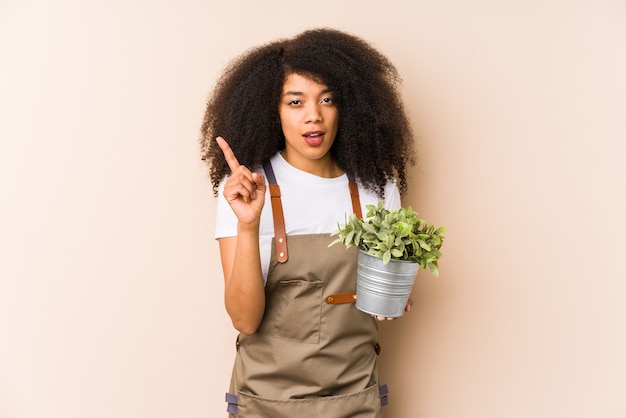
(225, 219)
(392, 196)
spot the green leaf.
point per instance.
(335, 242)
(382, 235)
(436, 254)
(433, 269)
(369, 228)
(396, 253)
(357, 237)
(403, 229)
(350, 236)
(423, 245)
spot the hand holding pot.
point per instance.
(407, 308)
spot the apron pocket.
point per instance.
(364, 404)
(298, 310)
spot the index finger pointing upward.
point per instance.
(231, 160)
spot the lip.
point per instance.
(314, 133)
(314, 138)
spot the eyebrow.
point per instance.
(299, 93)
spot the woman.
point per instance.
(318, 117)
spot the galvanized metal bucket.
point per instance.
(384, 289)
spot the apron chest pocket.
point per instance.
(297, 313)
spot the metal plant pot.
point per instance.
(384, 289)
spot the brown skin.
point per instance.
(244, 290)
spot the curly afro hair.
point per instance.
(374, 140)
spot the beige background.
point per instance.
(110, 284)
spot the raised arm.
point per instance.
(244, 290)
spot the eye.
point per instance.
(328, 100)
(294, 102)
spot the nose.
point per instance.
(314, 113)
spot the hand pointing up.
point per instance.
(244, 190)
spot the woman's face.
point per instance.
(309, 120)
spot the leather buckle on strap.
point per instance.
(348, 297)
(280, 235)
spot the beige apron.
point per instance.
(314, 354)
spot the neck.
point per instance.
(323, 167)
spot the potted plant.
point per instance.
(393, 245)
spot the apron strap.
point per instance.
(339, 298)
(280, 235)
(354, 195)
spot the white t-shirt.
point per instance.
(311, 205)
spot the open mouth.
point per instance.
(314, 138)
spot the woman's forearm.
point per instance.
(244, 285)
